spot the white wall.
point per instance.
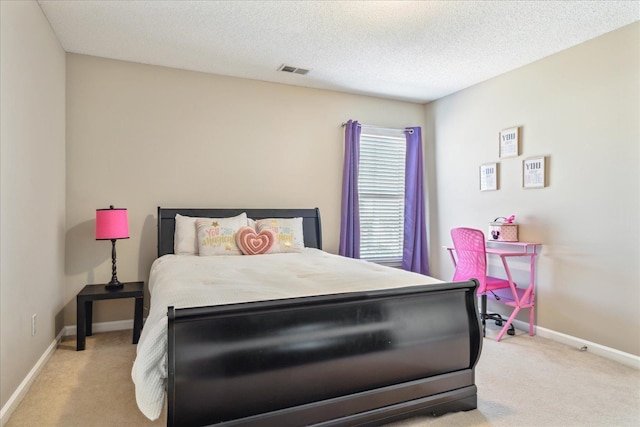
(32, 196)
(142, 136)
(580, 108)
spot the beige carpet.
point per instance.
(522, 381)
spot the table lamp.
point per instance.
(112, 224)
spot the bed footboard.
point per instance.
(363, 358)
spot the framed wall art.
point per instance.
(533, 172)
(489, 176)
(509, 142)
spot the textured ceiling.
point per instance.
(409, 50)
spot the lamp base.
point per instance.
(113, 285)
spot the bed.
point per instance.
(367, 356)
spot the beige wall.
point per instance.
(580, 107)
(32, 215)
(142, 136)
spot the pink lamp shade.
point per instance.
(112, 224)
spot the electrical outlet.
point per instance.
(33, 324)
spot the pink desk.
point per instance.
(516, 297)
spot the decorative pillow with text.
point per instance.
(217, 236)
(289, 237)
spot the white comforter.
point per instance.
(191, 281)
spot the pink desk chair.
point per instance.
(470, 261)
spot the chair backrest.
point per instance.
(471, 256)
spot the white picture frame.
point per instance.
(489, 176)
(534, 172)
(509, 142)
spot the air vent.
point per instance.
(290, 69)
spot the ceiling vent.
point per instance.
(290, 69)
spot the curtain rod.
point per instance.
(380, 128)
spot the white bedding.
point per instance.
(190, 281)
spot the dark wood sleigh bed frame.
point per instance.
(362, 358)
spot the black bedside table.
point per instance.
(91, 293)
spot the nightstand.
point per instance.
(91, 293)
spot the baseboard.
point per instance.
(627, 359)
(23, 388)
(598, 349)
(117, 325)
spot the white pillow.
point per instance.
(185, 241)
(217, 236)
(289, 237)
(184, 238)
(251, 223)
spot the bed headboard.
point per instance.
(167, 222)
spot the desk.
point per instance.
(516, 297)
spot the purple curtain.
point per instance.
(350, 215)
(414, 257)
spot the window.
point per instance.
(381, 196)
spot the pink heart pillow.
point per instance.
(252, 243)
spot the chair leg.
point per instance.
(483, 313)
(494, 316)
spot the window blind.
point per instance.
(381, 193)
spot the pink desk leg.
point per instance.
(506, 325)
(514, 293)
(532, 278)
(527, 298)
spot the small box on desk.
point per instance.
(503, 232)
